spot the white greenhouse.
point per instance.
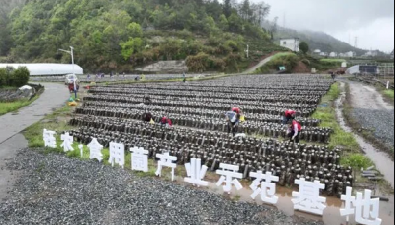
(353, 70)
(48, 69)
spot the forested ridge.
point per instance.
(122, 34)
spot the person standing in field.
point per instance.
(294, 131)
(233, 119)
(165, 121)
(288, 116)
(147, 117)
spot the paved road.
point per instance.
(54, 96)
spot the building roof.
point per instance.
(288, 39)
(41, 69)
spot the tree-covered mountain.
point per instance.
(315, 39)
(122, 34)
(321, 40)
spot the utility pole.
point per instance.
(71, 52)
(248, 50)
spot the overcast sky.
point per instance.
(372, 21)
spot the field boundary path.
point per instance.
(260, 64)
(12, 124)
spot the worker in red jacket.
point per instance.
(166, 122)
(236, 110)
(289, 115)
(294, 131)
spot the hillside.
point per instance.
(120, 35)
(316, 40)
(321, 40)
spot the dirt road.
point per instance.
(367, 97)
(371, 111)
(262, 63)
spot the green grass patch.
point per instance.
(288, 60)
(7, 107)
(333, 60)
(389, 94)
(56, 122)
(326, 64)
(327, 114)
(6, 88)
(282, 54)
(357, 161)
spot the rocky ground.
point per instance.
(381, 121)
(10, 95)
(372, 112)
(53, 189)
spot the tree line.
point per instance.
(121, 34)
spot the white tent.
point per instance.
(353, 70)
(41, 69)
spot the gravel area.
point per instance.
(54, 189)
(381, 121)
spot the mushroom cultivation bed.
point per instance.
(114, 113)
(201, 105)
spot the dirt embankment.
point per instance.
(301, 68)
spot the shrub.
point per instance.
(304, 47)
(306, 62)
(20, 77)
(231, 61)
(232, 45)
(223, 50)
(198, 63)
(290, 61)
(218, 64)
(7, 76)
(3, 77)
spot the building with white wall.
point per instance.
(370, 54)
(47, 69)
(350, 54)
(290, 43)
(317, 51)
(323, 54)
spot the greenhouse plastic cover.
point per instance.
(353, 70)
(41, 69)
